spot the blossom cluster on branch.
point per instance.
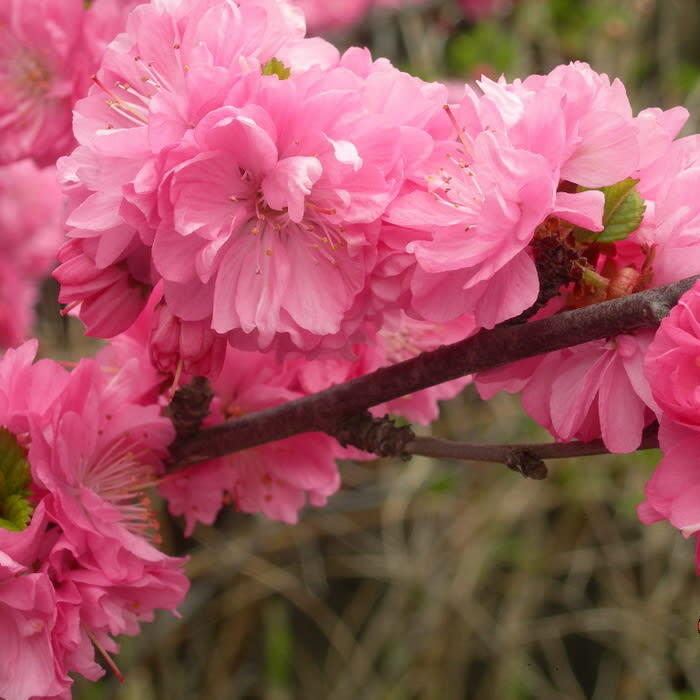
(245, 205)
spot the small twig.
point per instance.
(526, 459)
(325, 410)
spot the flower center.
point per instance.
(121, 476)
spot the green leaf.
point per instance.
(15, 477)
(622, 214)
(275, 67)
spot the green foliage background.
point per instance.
(443, 580)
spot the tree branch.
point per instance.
(526, 459)
(328, 410)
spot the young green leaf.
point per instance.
(275, 67)
(15, 508)
(622, 214)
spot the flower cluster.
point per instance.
(78, 561)
(268, 194)
(248, 205)
(645, 230)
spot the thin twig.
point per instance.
(327, 410)
(522, 458)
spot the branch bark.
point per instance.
(328, 410)
(526, 459)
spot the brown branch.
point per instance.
(526, 459)
(327, 410)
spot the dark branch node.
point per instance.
(189, 407)
(378, 435)
(527, 463)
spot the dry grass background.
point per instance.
(445, 580)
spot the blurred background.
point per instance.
(445, 580)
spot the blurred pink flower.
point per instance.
(477, 10)
(48, 50)
(30, 234)
(332, 15)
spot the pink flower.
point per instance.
(84, 563)
(481, 209)
(28, 616)
(97, 456)
(671, 365)
(259, 208)
(110, 298)
(592, 390)
(576, 118)
(599, 389)
(192, 343)
(521, 155)
(274, 479)
(28, 388)
(673, 491)
(173, 114)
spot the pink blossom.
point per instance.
(673, 491)
(275, 478)
(589, 391)
(514, 161)
(28, 616)
(481, 211)
(139, 182)
(671, 365)
(28, 388)
(97, 455)
(599, 389)
(88, 551)
(304, 197)
(110, 298)
(192, 343)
